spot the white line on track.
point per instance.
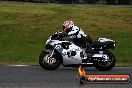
(18, 65)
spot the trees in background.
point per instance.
(113, 2)
(67, 1)
(119, 2)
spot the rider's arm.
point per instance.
(74, 31)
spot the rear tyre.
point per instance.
(105, 66)
(48, 66)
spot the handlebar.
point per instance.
(58, 35)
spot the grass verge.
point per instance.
(24, 28)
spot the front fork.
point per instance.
(50, 60)
(52, 53)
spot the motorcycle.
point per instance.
(67, 53)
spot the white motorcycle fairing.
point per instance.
(71, 55)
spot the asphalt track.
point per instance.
(64, 77)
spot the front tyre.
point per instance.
(106, 63)
(49, 63)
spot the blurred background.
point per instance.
(114, 2)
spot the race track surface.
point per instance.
(64, 77)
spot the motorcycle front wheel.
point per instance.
(49, 63)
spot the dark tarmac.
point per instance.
(63, 77)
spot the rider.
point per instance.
(76, 34)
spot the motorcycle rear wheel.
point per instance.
(100, 67)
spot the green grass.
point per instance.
(25, 27)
